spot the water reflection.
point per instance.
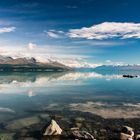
(31, 80)
(106, 95)
(32, 84)
(109, 110)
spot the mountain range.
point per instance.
(29, 64)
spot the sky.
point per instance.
(75, 32)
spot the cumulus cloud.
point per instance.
(32, 46)
(7, 29)
(107, 30)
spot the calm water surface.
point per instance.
(106, 95)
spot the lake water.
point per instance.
(109, 96)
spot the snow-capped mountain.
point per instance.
(29, 64)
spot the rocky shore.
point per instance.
(69, 125)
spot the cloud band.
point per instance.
(107, 30)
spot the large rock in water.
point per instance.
(53, 129)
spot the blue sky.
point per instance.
(92, 31)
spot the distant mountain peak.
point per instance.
(18, 61)
(5, 58)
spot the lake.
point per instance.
(27, 100)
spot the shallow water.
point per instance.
(102, 94)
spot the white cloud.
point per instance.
(107, 30)
(32, 46)
(7, 29)
(55, 34)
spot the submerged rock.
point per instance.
(53, 129)
(127, 133)
(21, 123)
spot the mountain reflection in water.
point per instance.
(106, 95)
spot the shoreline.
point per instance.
(102, 129)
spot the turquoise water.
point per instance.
(106, 95)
